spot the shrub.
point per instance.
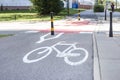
(98, 8)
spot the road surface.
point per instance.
(33, 55)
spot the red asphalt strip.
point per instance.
(75, 23)
(65, 31)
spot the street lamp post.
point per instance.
(1, 7)
(116, 4)
(96, 1)
(105, 14)
(106, 5)
(68, 12)
(77, 2)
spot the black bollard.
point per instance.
(52, 26)
(110, 31)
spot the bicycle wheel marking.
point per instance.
(26, 60)
(66, 59)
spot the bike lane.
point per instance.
(67, 56)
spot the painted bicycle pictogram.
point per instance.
(71, 51)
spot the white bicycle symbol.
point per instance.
(71, 52)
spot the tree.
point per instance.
(46, 6)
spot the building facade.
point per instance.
(15, 4)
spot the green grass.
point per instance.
(5, 35)
(118, 10)
(32, 15)
(18, 11)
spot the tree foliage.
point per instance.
(46, 6)
(98, 8)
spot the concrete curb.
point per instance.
(96, 64)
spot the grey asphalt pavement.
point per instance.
(93, 15)
(54, 66)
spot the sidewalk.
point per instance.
(106, 49)
(106, 56)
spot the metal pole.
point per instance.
(105, 15)
(1, 7)
(116, 4)
(52, 26)
(96, 1)
(68, 11)
(110, 31)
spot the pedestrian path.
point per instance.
(107, 57)
(101, 14)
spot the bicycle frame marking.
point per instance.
(62, 53)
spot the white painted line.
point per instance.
(42, 38)
(86, 32)
(31, 31)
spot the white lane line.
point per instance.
(86, 32)
(31, 31)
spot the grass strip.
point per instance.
(32, 15)
(5, 35)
